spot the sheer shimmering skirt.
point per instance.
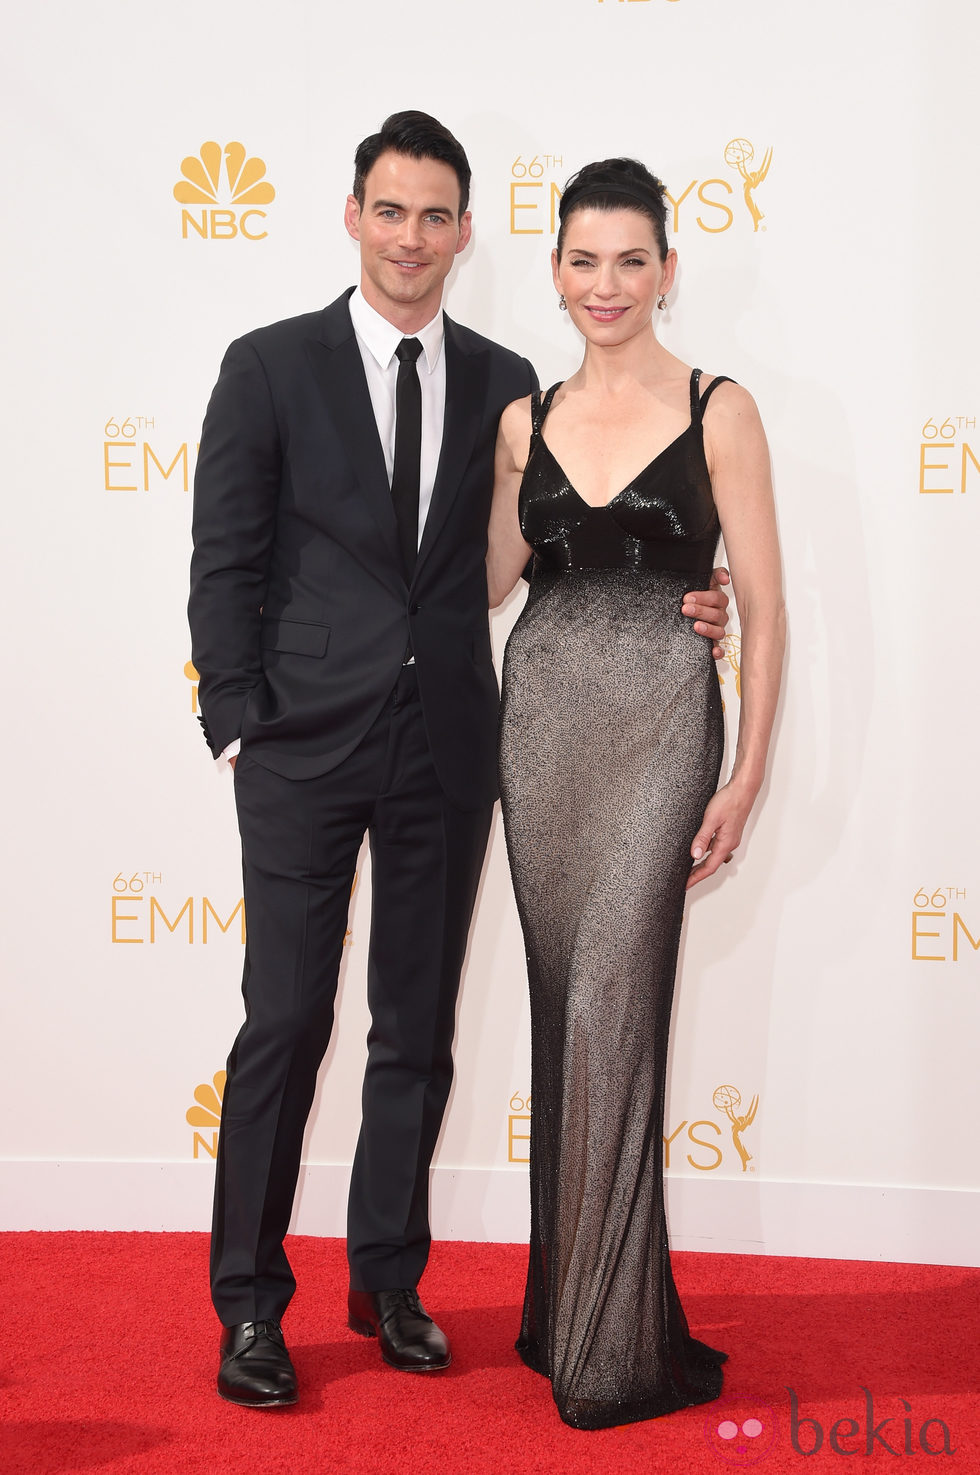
(611, 744)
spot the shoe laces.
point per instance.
(409, 1300)
(270, 1329)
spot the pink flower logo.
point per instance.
(742, 1431)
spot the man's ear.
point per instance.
(465, 232)
(352, 218)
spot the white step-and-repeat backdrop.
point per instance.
(176, 175)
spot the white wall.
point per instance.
(851, 313)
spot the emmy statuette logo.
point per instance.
(732, 646)
(739, 154)
(728, 1099)
(229, 185)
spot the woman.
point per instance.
(611, 744)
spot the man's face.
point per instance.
(409, 231)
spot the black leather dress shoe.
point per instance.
(255, 1366)
(409, 1339)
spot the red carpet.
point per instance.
(109, 1357)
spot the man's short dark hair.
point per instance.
(420, 137)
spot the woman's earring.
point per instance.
(662, 302)
(562, 304)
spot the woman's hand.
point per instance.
(721, 831)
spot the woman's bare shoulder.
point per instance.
(515, 428)
(729, 400)
(517, 415)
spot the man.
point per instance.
(339, 618)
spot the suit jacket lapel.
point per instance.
(466, 383)
(335, 359)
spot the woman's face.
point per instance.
(610, 273)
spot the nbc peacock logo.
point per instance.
(227, 185)
(193, 676)
(205, 1117)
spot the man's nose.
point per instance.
(410, 234)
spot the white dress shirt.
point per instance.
(377, 340)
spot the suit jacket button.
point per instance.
(413, 609)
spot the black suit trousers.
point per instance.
(300, 840)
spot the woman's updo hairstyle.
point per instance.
(615, 184)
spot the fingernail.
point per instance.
(697, 852)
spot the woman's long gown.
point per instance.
(611, 745)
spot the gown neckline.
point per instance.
(602, 506)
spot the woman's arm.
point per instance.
(507, 552)
(738, 458)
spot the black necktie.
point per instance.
(408, 451)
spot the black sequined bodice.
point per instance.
(664, 519)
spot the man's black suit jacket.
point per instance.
(299, 610)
